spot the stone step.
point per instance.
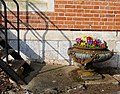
(16, 65)
(3, 53)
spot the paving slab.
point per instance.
(52, 78)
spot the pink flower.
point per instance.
(78, 40)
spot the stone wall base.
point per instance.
(51, 46)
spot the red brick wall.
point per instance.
(75, 14)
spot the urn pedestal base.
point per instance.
(84, 75)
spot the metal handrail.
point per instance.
(5, 22)
(17, 26)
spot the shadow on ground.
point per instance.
(108, 70)
(36, 68)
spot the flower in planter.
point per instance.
(82, 44)
(90, 42)
(78, 40)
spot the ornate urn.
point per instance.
(86, 56)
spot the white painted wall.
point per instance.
(32, 5)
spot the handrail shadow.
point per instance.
(38, 36)
(47, 20)
(12, 44)
(21, 42)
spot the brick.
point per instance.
(60, 2)
(96, 15)
(104, 19)
(88, 7)
(96, 23)
(55, 22)
(62, 26)
(102, 7)
(95, 11)
(87, 23)
(110, 19)
(95, 19)
(52, 27)
(69, 18)
(79, 19)
(78, 22)
(60, 10)
(117, 11)
(116, 8)
(70, 26)
(70, 22)
(116, 3)
(10, 17)
(60, 18)
(23, 17)
(117, 23)
(117, 19)
(79, 14)
(61, 6)
(96, 27)
(103, 11)
(101, 23)
(87, 2)
(78, 2)
(110, 11)
(110, 27)
(69, 14)
(52, 18)
(81, 27)
(61, 22)
(79, 10)
(78, 6)
(102, 15)
(116, 27)
(97, 3)
(87, 10)
(69, 6)
(106, 3)
(70, 2)
(52, 14)
(87, 19)
(109, 23)
(56, 6)
(96, 7)
(88, 15)
(61, 14)
(117, 15)
(69, 10)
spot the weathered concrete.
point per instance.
(55, 79)
(50, 77)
